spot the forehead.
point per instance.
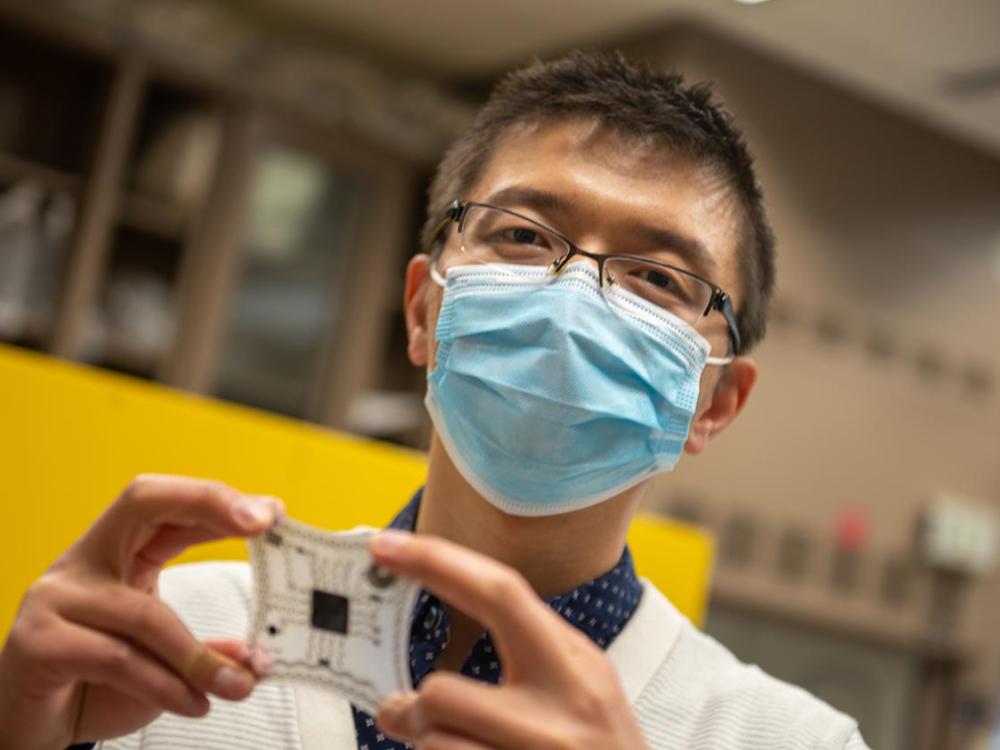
(612, 184)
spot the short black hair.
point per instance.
(632, 101)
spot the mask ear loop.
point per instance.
(436, 276)
(726, 309)
(720, 360)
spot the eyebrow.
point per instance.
(519, 195)
(690, 249)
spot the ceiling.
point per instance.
(938, 61)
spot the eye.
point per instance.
(660, 285)
(524, 236)
(519, 243)
(660, 279)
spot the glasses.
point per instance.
(489, 234)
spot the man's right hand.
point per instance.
(93, 653)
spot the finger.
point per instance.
(490, 592)
(153, 626)
(395, 716)
(143, 569)
(169, 541)
(457, 705)
(127, 539)
(153, 500)
(255, 658)
(100, 659)
(231, 648)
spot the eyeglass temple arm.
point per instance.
(724, 304)
(452, 213)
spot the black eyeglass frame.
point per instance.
(457, 211)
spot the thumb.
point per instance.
(254, 658)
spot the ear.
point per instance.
(728, 399)
(415, 307)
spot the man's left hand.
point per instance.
(559, 690)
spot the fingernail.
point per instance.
(199, 704)
(392, 708)
(260, 661)
(389, 541)
(276, 503)
(254, 513)
(231, 682)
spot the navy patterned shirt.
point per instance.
(600, 608)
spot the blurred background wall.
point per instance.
(222, 196)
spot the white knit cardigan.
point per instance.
(686, 689)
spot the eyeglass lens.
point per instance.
(494, 236)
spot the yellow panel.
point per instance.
(677, 558)
(73, 437)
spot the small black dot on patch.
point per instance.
(379, 577)
(272, 630)
(324, 662)
(273, 538)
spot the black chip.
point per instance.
(329, 611)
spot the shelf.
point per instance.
(153, 216)
(140, 212)
(14, 169)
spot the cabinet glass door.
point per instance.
(288, 301)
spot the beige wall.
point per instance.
(894, 231)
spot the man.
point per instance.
(599, 266)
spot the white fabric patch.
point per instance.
(328, 616)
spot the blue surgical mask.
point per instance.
(551, 394)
